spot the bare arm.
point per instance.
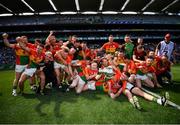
(115, 61)
(88, 76)
(65, 43)
(157, 48)
(120, 46)
(100, 49)
(6, 41)
(109, 90)
(136, 60)
(58, 55)
(23, 46)
(111, 94)
(119, 92)
(47, 39)
(70, 70)
(83, 54)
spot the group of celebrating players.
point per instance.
(123, 68)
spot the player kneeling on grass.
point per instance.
(144, 70)
(36, 56)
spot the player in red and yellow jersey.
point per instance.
(22, 59)
(130, 67)
(114, 86)
(90, 54)
(35, 58)
(55, 47)
(105, 79)
(146, 73)
(80, 79)
(155, 64)
(51, 40)
(32, 45)
(90, 74)
(119, 60)
(62, 61)
(163, 70)
(156, 58)
(110, 47)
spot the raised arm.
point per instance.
(115, 61)
(47, 39)
(6, 41)
(23, 46)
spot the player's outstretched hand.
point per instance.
(5, 35)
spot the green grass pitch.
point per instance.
(89, 107)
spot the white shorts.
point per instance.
(30, 72)
(150, 75)
(80, 85)
(141, 77)
(129, 86)
(58, 65)
(20, 68)
(81, 82)
(91, 85)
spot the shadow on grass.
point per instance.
(50, 96)
(92, 95)
(29, 95)
(174, 88)
(0, 94)
(53, 96)
(58, 97)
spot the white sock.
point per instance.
(132, 101)
(14, 90)
(159, 101)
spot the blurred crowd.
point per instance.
(7, 56)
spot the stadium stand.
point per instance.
(90, 28)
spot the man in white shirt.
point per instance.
(166, 47)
